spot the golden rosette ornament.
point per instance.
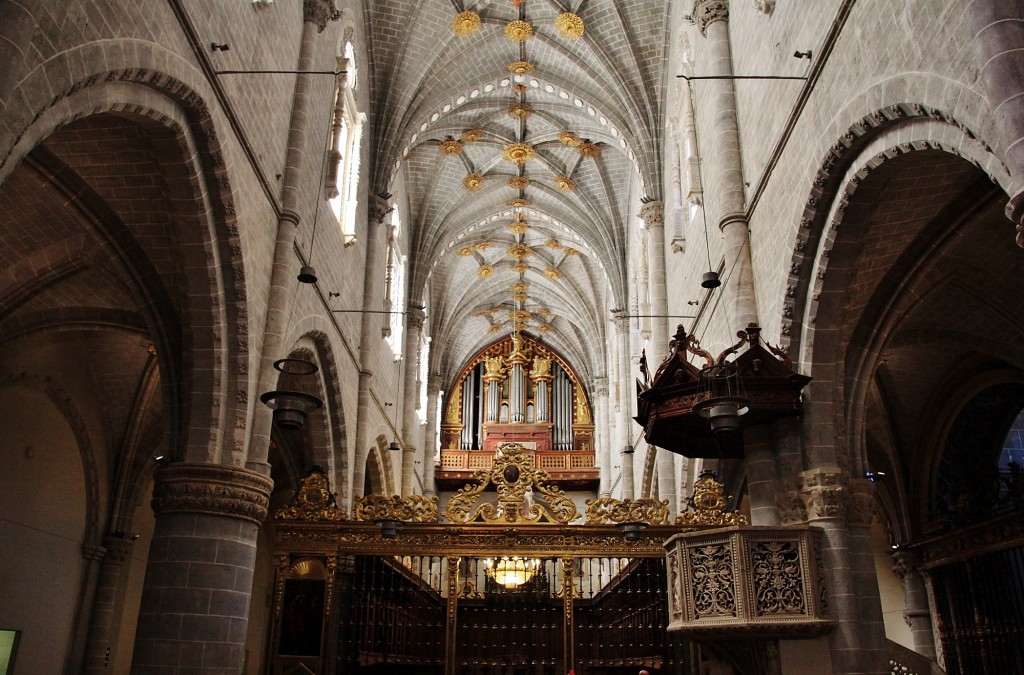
(519, 182)
(569, 26)
(519, 251)
(519, 226)
(570, 139)
(519, 267)
(520, 111)
(466, 23)
(553, 273)
(471, 135)
(518, 30)
(485, 271)
(518, 203)
(545, 327)
(473, 182)
(520, 67)
(450, 147)
(565, 184)
(588, 149)
(517, 153)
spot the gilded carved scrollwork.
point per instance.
(518, 485)
(709, 505)
(313, 502)
(607, 510)
(411, 509)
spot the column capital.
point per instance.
(653, 214)
(318, 12)
(824, 492)
(119, 547)
(706, 12)
(621, 323)
(379, 208)
(415, 316)
(904, 563)
(211, 488)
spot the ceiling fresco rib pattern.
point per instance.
(523, 134)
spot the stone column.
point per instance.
(99, 652)
(653, 215)
(380, 207)
(430, 436)
(628, 477)
(195, 599)
(316, 14)
(918, 613)
(414, 318)
(857, 645)
(997, 30)
(762, 482)
(602, 439)
(712, 17)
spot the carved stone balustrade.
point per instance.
(755, 582)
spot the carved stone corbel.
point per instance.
(824, 492)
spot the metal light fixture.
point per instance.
(292, 407)
(389, 528)
(710, 280)
(307, 274)
(725, 402)
(511, 572)
(631, 530)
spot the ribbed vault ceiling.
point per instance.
(554, 262)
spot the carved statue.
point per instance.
(541, 366)
(582, 412)
(494, 365)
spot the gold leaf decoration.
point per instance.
(520, 111)
(544, 312)
(518, 30)
(553, 273)
(520, 267)
(473, 182)
(518, 203)
(471, 135)
(544, 327)
(517, 153)
(565, 184)
(494, 328)
(518, 287)
(588, 149)
(570, 139)
(485, 271)
(520, 297)
(466, 23)
(450, 147)
(520, 88)
(519, 251)
(553, 243)
(571, 251)
(569, 26)
(519, 182)
(519, 226)
(520, 67)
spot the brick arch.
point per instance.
(327, 428)
(843, 357)
(201, 194)
(866, 144)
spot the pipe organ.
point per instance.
(517, 389)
